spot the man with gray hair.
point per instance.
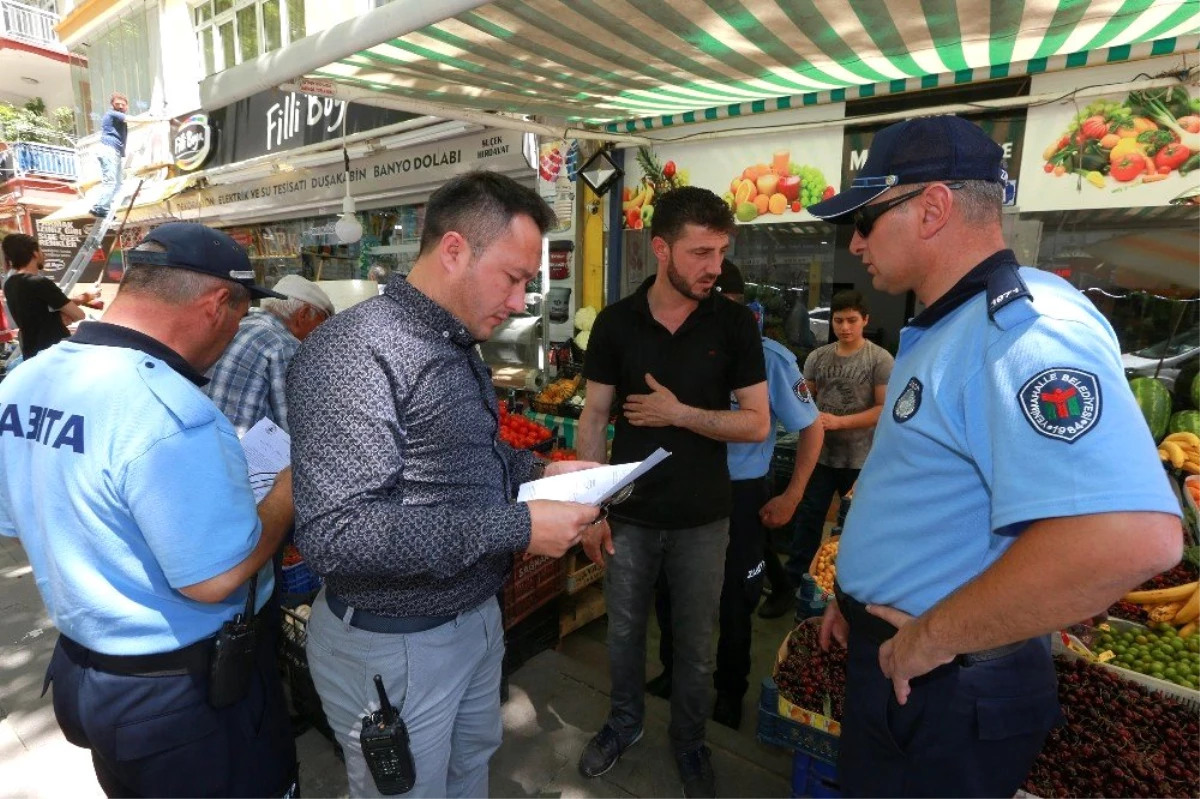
(250, 380)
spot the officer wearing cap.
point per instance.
(1012, 489)
(249, 383)
(129, 492)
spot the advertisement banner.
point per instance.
(60, 242)
(1128, 149)
(1006, 128)
(767, 177)
(558, 169)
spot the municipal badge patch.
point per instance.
(909, 401)
(1061, 403)
(802, 392)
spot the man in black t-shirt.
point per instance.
(37, 305)
(667, 360)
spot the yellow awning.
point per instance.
(152, 203)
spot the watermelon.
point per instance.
(1155, 401)
(1185, 422)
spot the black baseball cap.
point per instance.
(730, 281)
(942, 149)
(193, 246)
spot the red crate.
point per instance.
(533, 582)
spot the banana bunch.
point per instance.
(643, 196)
(1182, 451)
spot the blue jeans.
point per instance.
(110, 176)
(810, 515)
(693, 560)
(445, 683)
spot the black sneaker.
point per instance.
(99, 213)
(603, 751)
(660, 686)
(696, 771)
(778, 604)
(728, 710)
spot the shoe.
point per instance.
(696, 771)
(779, 603)
(99, 213)
(603, 751)
(728, 710)
(660, 686)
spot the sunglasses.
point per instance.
(616, 499)
(866, 217)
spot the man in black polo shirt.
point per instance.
(667, 359)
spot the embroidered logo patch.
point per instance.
(1061, 403)
(909, 401)
(802, 392)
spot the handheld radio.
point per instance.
(384, 741)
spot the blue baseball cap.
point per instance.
(193, 246)
(926, 150)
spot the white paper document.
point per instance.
(268, 450)
(589, 486)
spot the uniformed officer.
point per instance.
(129, 492)
(754, 510)
(1012, 489)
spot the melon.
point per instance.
(1185, 422)
(1155, 401)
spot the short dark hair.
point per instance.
(19, 249)
(481, 206)
(848, 301)
(690, 205)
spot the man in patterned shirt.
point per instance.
(249, 382)
(405, 494)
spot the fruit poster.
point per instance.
(767, 177)
(1128, 149)
(558, 169)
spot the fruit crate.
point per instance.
(534, 581)
(792, 712)
(813, 777)
(779, 730)
(299, 578)
(292, 639)
(534, 634)
(1060, 645)
(582, 572)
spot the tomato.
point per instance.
(796, 206)
(1047, 167)
(1171, 157)
(669, 170)
(1128, 167)
(829, 192)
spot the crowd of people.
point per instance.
(122, 475)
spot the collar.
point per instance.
(104, 334)
(258, 316)
(429, 312)
(997, 274)
(642, 300)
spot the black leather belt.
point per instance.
(394, 625)
(878, 631)
(191, 659)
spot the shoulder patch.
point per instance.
(909, 401)
(1005, 286)
(1061, 403)
(801, 391)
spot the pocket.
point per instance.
(138, 739)
(999, 718)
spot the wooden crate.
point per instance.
(582, 571)
(581, 608)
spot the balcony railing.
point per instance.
(27, 159)
(28, 24)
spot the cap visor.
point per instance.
(839, 208)
(261, 293)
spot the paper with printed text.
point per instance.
(268, 451)
(589, 486)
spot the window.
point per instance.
(118, 59)
(232, 31)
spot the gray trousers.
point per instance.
(445, 682)
(694, 562)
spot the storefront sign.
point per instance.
(60, 242)
(274, 121)
(1130, 149)
(766, 177)
(1006, 128)
(191, 142)
(427, 165)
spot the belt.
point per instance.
(394, 625)
(878, 631)
(191, 659)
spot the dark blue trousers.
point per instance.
(965, 730)
(157, 736)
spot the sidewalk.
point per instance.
(557, 701)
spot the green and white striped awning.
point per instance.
(632, 65)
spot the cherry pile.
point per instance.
(1180, 575)
(810, 678)
(1119, 740)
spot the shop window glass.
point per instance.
(118, 59)
(272, 33)
(247, 30)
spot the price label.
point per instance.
(1105, 656)
(1105, 626)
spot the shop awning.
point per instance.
(152, 204)
(633, 65)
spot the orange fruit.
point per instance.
(745, 192)
(761, 202)
(777, 204)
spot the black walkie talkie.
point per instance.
(384, 743)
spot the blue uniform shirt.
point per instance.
(791, 405)
(1007, 404)
(124, 483)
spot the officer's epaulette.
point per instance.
(1004, 286)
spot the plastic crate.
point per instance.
(815, 778)
(304, 698)
(532, 583)
(299, 578)
(535, 634)
(777, 730)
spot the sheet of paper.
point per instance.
(268, 450)
(590, 486)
